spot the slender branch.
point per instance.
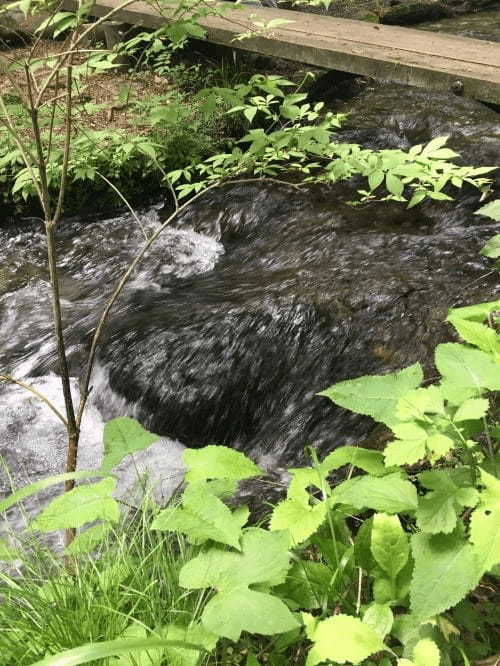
(67, 143)
(84, 387)
(35, 392)
(33, 111)
(132, 211)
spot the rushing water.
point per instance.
(257, 299)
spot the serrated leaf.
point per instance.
(236, 608)
(241, 609)
(202, 516)
(343, 638)
(83, 504)
(306, 585)
(478, 312)
(492, 247)
(426, 653)
(485, 524)
(474, 408)
(370, 461)
(389, 544)
(416, 404)
(491, 210)
(218, 462)
(376, 396)
(390, 494)
(445, 571)
(466, 372)
(86, 541)
(124, 436)
(301, 518)
(380, 618)
(477, 334)
(409, 448)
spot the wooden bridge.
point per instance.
(414, 57)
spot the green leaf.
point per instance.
(409, 448)
(466, 372)
(472, 409)
(86, 541)
(376, 396)
(306, 585)
(81, 505)
(91, 652)
(426, 653)
(390, 494)
(389, 544)
(394, 184)
(492, 247)
(491, 210)
(142, 658)
(36, 487)
(124, 436)
(195, 634)
(241, 609)
(380, 618)
(375, 179)
(202, 517)
(299, 517)
(478, 312)
(445, 571)
(264, 559)
(416, 404)
(343, 638)
(485, 524)
(477, 334)
(249, 113)
(368, 460)
(218, 462)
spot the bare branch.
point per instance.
(35, 392)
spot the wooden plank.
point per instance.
(403, 55)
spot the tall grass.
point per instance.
(131, 579)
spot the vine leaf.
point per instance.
(390, 494)
(218, 462)
(123, 436)
(485, 524)
(202, 516)
(342, 638)
(81, 505)
(376, 396)
(264, 560)
(445, 571)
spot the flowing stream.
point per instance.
(259, 297)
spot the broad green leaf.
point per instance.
(380, 618)
(195, 634)
(492, 247)
(466, 372)
(306, 585)
(36, 487)
(445, 571)
(218, 462)
(478, 312)
(376, 396)
(264, 559)
(491, 210)
(478, 334)
(202, 517)
(91, 652)
(375, 179)
(409, 448)
(301, 518)
(123, 436)
(241, 609)
(394, 184)
(389, 544)
(86, 541)
(426, 653)
(83, 504)
(416, 404)
(144, 657)
(390, 494)
(372, 462)
(342, 639)
(485, 524)
(474, 408)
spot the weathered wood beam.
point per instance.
(414, 57)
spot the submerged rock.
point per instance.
(415, 12)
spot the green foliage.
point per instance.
(124, 436)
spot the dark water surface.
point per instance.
(260, 297)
